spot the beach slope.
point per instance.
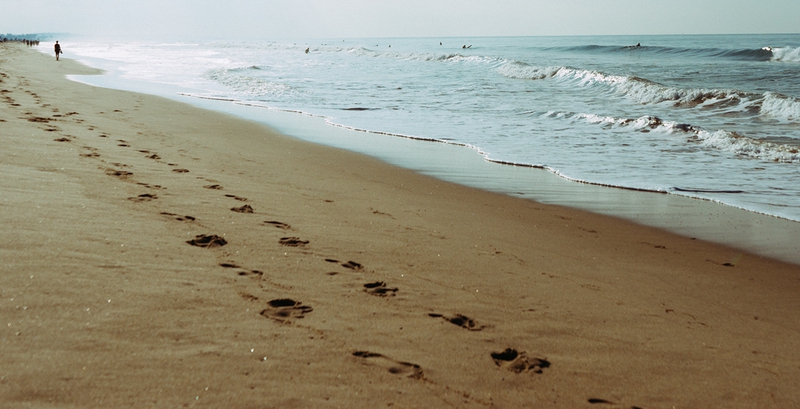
(159, 255)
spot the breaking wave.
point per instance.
(720, 139)
(785, 54)
(647, 92)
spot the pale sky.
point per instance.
(268, 19)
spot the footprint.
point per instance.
(292, 242)
(352, 265)
(63, 140)
(241, 199)
(214, 187)
(154, 157)
(249, 297)
(207, 241)
(180, 170)
(519, 362)
(596, 401)
(461, 320)
(143, 198)
(122, 174)
(380, 289)
(279, 225)
(284, 309)
(251, 273)
(228, 265)
(406, 369)
(243, 209)
(242, 273)
(149, 186)
(179, 217)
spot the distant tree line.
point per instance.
(28, 39)
(29, 43)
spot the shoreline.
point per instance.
(705, 219)
(700, 218)
(762, 190)
(332, 279)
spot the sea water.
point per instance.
(711, 117)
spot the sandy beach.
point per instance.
(161, 255)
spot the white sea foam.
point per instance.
(245, 85)
(423, 57)
(644, 91)
(742, 145)
(781, 106)
(720, 140)
(520, 70)
(786, 54)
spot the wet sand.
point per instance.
(161, 255)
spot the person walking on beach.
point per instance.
(58, 50)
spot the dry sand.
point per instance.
(343, 282)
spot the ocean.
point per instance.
(714, 117)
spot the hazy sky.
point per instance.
(259, 19)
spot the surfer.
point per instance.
(58, 50)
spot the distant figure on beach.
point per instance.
(58, 50)
(307, 49)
